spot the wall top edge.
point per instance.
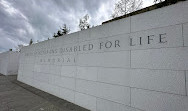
(9, 52)
(147, 9)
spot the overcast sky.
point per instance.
(21, 20)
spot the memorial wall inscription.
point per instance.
(161, 38)
(138, 63)
(147, 40)
(150, 39)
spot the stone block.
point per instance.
(67, 82)
(28, 74)
(165, 58)
(116, 59)
(53, 89)
(86, 101)
(45, 68)
(84, 35)
(186, 81)
(42, 77)
(68, 71)
(55, 70)
(157, 101)
(87, 73)
(170, 15)
(67, 94)
(117, 76)
(87, 87)
(64, 82)
(100, 31)
(114, 93)
(28, 67)
(159, 80)
(107, 59)
(170, 36)
(92, 59)
(185, 34)
(119, 27)
(68, 39)
(105, 105)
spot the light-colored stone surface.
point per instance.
(65, 82)
(170, 15)
(105, 59)
(101, 69)
(170, 36)
(185, 34)
(87, 73)
(68, 71)
(54, 70)
(115, 93)
(84, 35)
(87, 87)
(41, 77)
(99, 31)
(86, 101)
(118, 27)
(186, 74)
(105, 105)
(53, 89)
(9, 63)
(67, 94)
(159, 80)
(157, 101)
(164, 58)
(116, 76)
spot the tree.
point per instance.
(59, 33)
(31, 42)
(55, 35)
(84, 22)
(65, 29)
(123, 7)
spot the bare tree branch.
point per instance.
(123, 7)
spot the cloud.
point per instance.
(22, 20)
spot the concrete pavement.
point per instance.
(17, 96)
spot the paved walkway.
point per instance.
(17, 96)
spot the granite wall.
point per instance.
(139, 63)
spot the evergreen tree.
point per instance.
(59, 33)
(65, 29)
(55, 35)
(30, 42)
